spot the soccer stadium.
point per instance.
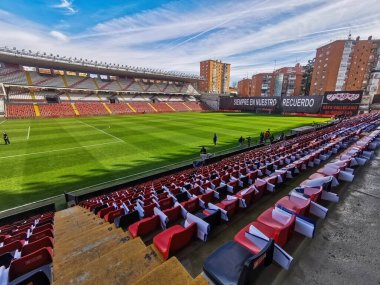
(115, 173)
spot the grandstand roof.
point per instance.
(51, 61)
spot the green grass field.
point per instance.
(69, 154)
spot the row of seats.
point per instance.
(91, 109)
(26, 250)
(260, 242)
(215, 193)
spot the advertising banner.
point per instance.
(301, 104)
(44, 71)
(342, 97)
(248, 104)
(340, 109)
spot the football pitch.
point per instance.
(48, 157)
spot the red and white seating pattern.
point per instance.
(292, 213)
(26, 249)
(220, 188)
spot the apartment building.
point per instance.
(216, 76)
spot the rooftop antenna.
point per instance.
(275, 62)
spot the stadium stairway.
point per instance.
(91, 251)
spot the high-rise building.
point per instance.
(288, 80)
(216, 76)
(262, 84)
(344, 65)
(244, 87)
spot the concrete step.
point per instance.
(169, 272)
(116, 267)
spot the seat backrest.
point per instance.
(19, 267)
(148, 225)
(148, 210)
(173, 214)
(166, 203)
(181, 239)
(34, 246)
(42, 228)
(182, 197)
(40, 235)
(207, 197)
(213, 219)
(12, 246)
(110, 217)
(20, 236)
(192, 205)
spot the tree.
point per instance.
(306, 78)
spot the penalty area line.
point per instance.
(118, 139)
(55, 150)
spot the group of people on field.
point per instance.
(264, 138)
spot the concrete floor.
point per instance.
(345, 249)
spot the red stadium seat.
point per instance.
(173, 239)
(34, 246)
(191, 205)
(282, 232)
(110, 217)
(229, 205)
(27, 263)
(297, 205)
(40, 235)
(173, 214)
(144, 226)
(166, 203)
(12, 246)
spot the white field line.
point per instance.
(3, 122)
(55, 150)
(118, 139)
(27, 137)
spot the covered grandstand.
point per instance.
(39, 85)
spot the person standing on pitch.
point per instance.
(249, 141)
(215, 139)
(6, 138)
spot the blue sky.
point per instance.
(175, 35)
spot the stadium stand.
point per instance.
(56, 110)
(20, 111)
(198, 198)
(31, 85)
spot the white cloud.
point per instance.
(250, 35)
(59, 36)
(67, 6)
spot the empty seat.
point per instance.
(232, 263)
(173, 214)
(191, 205)
(110, 217)
(246, 194)
(40, 235)
(31, 262)
(173, 239)
(297, 205)
(166, 203)
(229, 205)
(34, 246)
(144, 226)
(283, 229)
(12, 246)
